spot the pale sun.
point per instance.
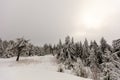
(91, 21)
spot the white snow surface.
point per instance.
(33, 68)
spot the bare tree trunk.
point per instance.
(18, 55)
(29, 54)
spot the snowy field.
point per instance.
(33, 68)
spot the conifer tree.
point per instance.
(93, 64)
(85, 54)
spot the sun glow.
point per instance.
(91, 21)
(92, 15)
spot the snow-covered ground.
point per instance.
(33, 68)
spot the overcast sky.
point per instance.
(45, 21)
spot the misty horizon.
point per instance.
(47, 21)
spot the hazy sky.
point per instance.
(45, 21)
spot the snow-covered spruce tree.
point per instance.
(95, 45)
(106, 56)
(31, 50)
(48, 49)
(5, 44)
(85, 53)
(72, 40)
(101, 50)
(97, 51)
(116, 47)
(9, 52)
(45, 48)
(67, 53)
(94, 65)
(110, 71)
(58, 49)
(61, 56)
(104, 45)
(59, 45)
(39, 51)
(78, 50)
(110, 66)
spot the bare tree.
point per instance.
(20, 45)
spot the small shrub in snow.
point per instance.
(60, 68)
(79, 69)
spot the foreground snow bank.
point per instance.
(33, 68)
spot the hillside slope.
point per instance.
(33, 68)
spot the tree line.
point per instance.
(102, 61)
